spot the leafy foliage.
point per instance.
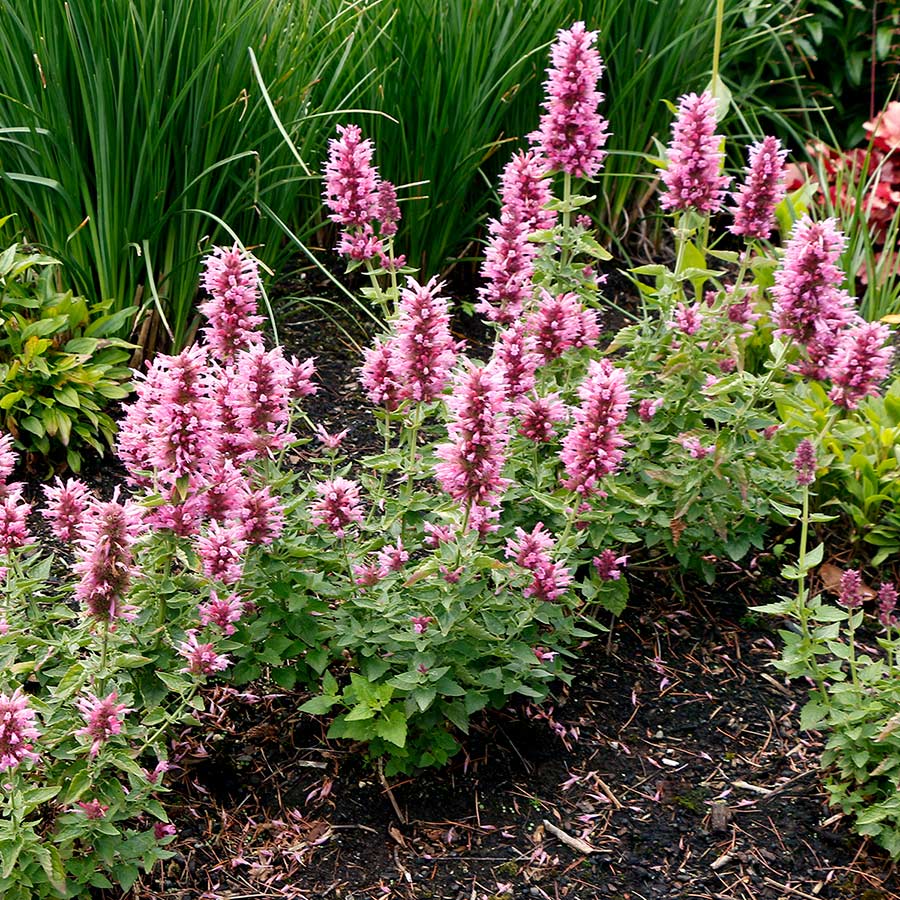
(60, 363)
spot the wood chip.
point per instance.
(721, 862)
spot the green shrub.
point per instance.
(60, 363)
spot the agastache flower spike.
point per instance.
(762, 191)
(17, 730)
(572, 133)
(424, 352)
(231, 277)
(692, 178)
(350, 178)
(221, 612)
(860, 362)
(887, 604)
(221, 550)
(7, 459)
(202, 658)
(516, 357)
(66, 506)
(609, 566)
(103, 719)
(338, 505)
(593, 447)
(472, 461)
(851, 592)
(810, 306)
(379, 376)
(561, 323)
(538, 415)
(14, 512)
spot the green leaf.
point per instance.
(392, 728)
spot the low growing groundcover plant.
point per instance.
(465, 564)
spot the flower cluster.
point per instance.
(572, 133)
(14, 510)
(103, 719)
(533, 551)
(17, 730)
(762, 191)
(358, 198)
(695, 157)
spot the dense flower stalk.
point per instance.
(761, 192)
(14, 512)
(424, 352)
(7, 459)
(472, 461)
(572, 132)
(692, 177)
(351, 181)
(387, 210)
(861, 360)
(525, 191)
(338, 505)
(538, 416)
(516, 358)
(231, 277)
(260, 518)
(103, 719)
(507, 269)
(810, 306)
(887, 604)
(533, 551)
(17, 730)
(66, 506)
(805, 462)
(221, 550)
(851, 590)
(106, 562)
(222, 612)
(609, 566)
(561, 323)
(593, 447)
(378, 376)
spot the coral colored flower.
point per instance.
(17, 730)
(472, 460)
(609, 566)
(379, 376)
(539, 415)
(424, 351)
(14, 512)
(392, 558)
(851, 592)
(516, 358)
(810, 306)
(887, 604)
(861, 360)
(103, 719)
(221, 612)
(692, 177)
(884, 129)
(338, 505)
(593, 447)
(66, 506)
(106, 562)
(93, 809)
(202, 658)
(420, 623)
(762, 190)
(231, 277)
(572, 132)
(221, 550)
(805, 462)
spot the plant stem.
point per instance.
(717, 40)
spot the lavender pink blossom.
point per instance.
(695, 157)
(14, 511)
(572, 132)
(561, 323)
(392, 558)
(379, 377)
(66, 506)
(516, 358)
(351, 182)
(887, 604)
(202, 659)
(861, 360)
(221, 550)
(222, 612)
(103, 719)
(539, 416)
(17, 730)
(762, 190)
(805, 462)
(609, 566)
(593, 447)
(338, 506)
(851, 589)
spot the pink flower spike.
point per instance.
(851, 592)
(66, 506)
(516, 358)
(572, 132)
(420, 623)
(539, 415)
(221, 551)
(103, 719)
(860, 362)
(14, 511)
(260, 517)
(379, 375)
(762, 191)
(562, 323)
(231, 278)
(609, 566)
(350, 178)
(805, 462)
(648, 408)
(694, 446)
(544, 655)
(387, 211)
(887, 604)
(93, 809)
(222, 613)
(202, 658)
(435, 535)
(338, 506)
(300, 382)
(329, 441)
(7, 459)
(593, 447)
(17, 730)
(531, 550)
(392, 558)
(367, 574)
(692, 177)
(162, 830)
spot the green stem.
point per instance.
(104, 651)
(851, 627)
(566, 218)
(717, 41)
